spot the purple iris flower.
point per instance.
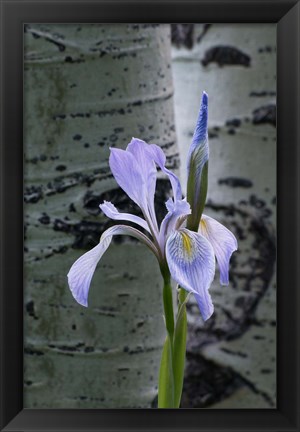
(189, 256)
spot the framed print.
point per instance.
(104, 349)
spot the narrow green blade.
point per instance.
(166, 380)
(196, 193)
(179, 350)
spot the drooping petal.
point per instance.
(176, 211)
(223, 243)
(112, 212)
(207, 308)
(81, 272)
(192, 264)
(125, 170)
(160, 159)
(198, 167)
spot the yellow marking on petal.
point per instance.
(203, 226)
(187, 243)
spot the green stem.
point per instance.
(168, 306)
(173, 356)
(166, 386)
(179, 346)
(182, 295)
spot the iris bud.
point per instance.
(197, 166)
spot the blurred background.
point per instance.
(94, 86)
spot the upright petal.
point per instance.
(145, 164)
(125, 170)
(160, 159)
(81, 272)
(112, 212)
(176, 211)
(192, 264)
(223, 242)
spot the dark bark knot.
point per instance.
(225, 56)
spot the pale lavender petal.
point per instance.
(160, 159)
(176, 211)
(81, 272)
(145, 164)
(125, 170)
(112, 212)
(192, 264)
(223, 242)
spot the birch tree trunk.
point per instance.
(87, 88)
(232, 358)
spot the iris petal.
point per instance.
(135, 171)
(223, 243)
(160, 159)
(112, 212)
(176, 210)
(147, 168)
(140, 149)
(125, 170)
(81, 272)
(192, 264)
(145, 164)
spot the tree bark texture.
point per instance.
(87, 88)
(232, 358)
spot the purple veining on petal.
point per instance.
(192, 265)
(223, 243)
(112, 212)
(82, 271)
(176, 210)
(189, 255)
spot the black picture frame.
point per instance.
(13, 15)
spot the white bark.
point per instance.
(236, 65)
(89, 87)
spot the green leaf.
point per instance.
(179, 351)
(196, 193)
(166, 380)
